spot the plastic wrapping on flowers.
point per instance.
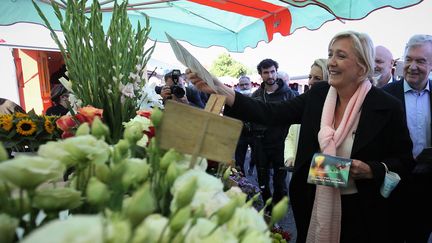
(131, 191)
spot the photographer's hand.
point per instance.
(166, 93)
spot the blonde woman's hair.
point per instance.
(322, 63)
(363, 48)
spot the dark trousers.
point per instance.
(241, 150)
(420, 208)
(270, 157)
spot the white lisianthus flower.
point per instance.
(257, 237)
(30, 171)
(199, 233)
(234, 192)
(56, 199)
(150, 229)
(209, 192)
(78, 228)
(246, 219)
(80, 149)
(144, 123)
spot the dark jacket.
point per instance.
(381, 136)
(57, 110)
(194, 97)
(272, 135)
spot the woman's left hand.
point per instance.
(360, 170)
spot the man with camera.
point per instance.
(175, 89)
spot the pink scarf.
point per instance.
(325, 223)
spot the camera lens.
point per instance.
(177, 91)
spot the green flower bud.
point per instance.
(156, 116)
(133, 133)
(172, 174)
(118, 231)
(253, 199)
(137, 171)
(142, 204)
(186, 194)
(97, 192)
(102, 172)
(3, 154)
(180, 219)
(99, 130)
(57, 199)
(226, 212)
(279, 210)
(226, 174)
(83, 129)
(121, 151)
(168, 158)
(7, 228)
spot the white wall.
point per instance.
(8, 81)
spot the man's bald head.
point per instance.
(383, 65)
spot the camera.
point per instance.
(175, 89)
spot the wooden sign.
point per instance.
(198, 132)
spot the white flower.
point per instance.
(257, 237)
(127, 90)
(246, 219)
(150, 98)
(150, 230)
(75, 229)
(28, 172)
(209, 192)
(199, 233)
(75, 102)
(234, 192)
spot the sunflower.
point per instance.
(20, 115)
(49, 127)
(26, 127)
(6, 122)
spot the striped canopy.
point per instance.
(233, 24)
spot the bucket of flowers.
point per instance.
(25, 132)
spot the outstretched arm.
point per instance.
(220, 87)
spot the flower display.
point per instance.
(25, 132)
(107, 67)
(131, 197)
(70, 123)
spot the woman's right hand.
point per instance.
(199, 83)
(221, 89)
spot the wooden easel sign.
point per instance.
(199, 132)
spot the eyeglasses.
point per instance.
(245, 84)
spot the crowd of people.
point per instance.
(358, 111)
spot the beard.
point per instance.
(270, 81)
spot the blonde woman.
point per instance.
(318, 72)
(346, 117)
